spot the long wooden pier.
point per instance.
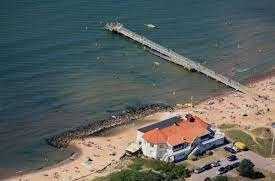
(172, 56)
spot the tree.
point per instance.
(246, 169)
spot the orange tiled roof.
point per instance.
(155, 136)
(186, 130)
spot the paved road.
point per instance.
(259, 161)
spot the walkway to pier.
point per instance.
(174, 57)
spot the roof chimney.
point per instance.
(190, 118)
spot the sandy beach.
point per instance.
(95, 153)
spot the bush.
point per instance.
(246, 169)
(193, 157)
(209, 152)
(178, 171)
(217, 178)
(130, 175)
(220, 178)
(136, 165)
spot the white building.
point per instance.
(176, 138)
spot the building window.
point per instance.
(152, 145)
(139, 142)
(161, 146)
(179, 147)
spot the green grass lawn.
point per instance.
(239, 135)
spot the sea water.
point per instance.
(60, 69)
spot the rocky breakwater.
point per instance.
(133, 113)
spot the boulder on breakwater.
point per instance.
(132, 113)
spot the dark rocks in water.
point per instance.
(132, 113)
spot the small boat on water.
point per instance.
(150, 26)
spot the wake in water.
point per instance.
(242, 69)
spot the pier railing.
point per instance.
(174, 57)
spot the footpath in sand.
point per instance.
(95, 153)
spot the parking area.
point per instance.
(213, 171)
(259, 161)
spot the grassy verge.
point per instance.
(239, 135)
(261, 144)
(149, 169)
(263, 147)
(269, 176)
(227, 126)
(262, 132)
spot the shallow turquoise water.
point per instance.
(59, 68)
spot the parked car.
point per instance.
(229, 167)
(221, 170)
(236, 164)
(199, 170)
(216, 163)
(230, 149)
(232, 158)
(207, 166)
